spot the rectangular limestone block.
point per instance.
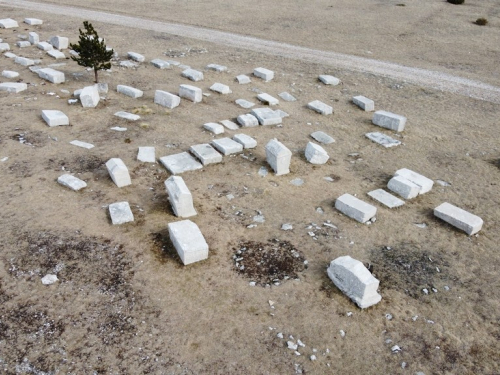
(127, 116)
(382, 139)
(243, 103)
(188, 241)
(51, 75)
(263, 73)
(228, 124)
(191, 92)
(118, 172)
(33, 21)
(33, 38)
(180, 197)
(180, 163)
(166, 99)
(386, 198)
(59, 42)
(403, 187)
(220, 88)
(23, 44)
(71, 182)
(56, 54)
(355, 208)
(129, 91)
(146, 155)
(8, 23)
(193, 75)
(315, 154)
(81, 144)
(120, 213)
(136, 56)
(267, 116)
(10, 74)
(227, 146)
(213, 127)
(89, 96)
(278, 156)
(245, 140)
(13, 87)
(355, 281)
(320, 107)
(247, 121)
(243, 79)
(54, 117)
(268, 99)
(389, 120)
(4, 47)
(329, 80)
(206, 153)
(364, 103)
(422, 181)
(45, 46)
(216, 67)
(160, 64)
(459, 218)
(24, 61)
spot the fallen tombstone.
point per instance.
(167, 99)
(13, 87)
(364, 103)
(89, 97)
(267, 116)
(33, 38)
(56, 54)
(287, 97)
(54, 117)
(214, 127)
(216, 67)
(329, 80)
(425, 183)
(180, 163)
(263, 73)
(129, 91)
(127, 116)
(118, 129)
(4, 47)
(190, 92)
(71, 182)
(188, 241)
(220, 88)
(173, 62)
(160, 64)
(355, 208)
(386, 198)
(278, 156)
(128, 64)
(44, 46)
(86, 145)
(33, 21)
(51, 75)
(180, 197)
(243, 79)
(322, 137)
(245, 140)
(24, 61)
(118, 172)
(403, 187)
(389, 120)
(320, 107)
(136, 56)
(315, 154)
(229, 125)
(382, 139)
(146, 155)
(8, 55)
(227, 146)
(268, 99)
(23, 44)
(247, 120)
(244, 103)
(59, 42)
(120, 213)
(355, 281)
(459, 218)
(9, 74)
(193, 75)
(8, 23)
(206, 153)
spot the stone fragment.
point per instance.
(244, 103)
(243, 79)
(44, 46)
(403, 187)
(320, 107)
(71, 182)
(193, 75)
(118, 129)
(206, 153)
(173, 62)
(355, 208)
(89, 97)
(146, 155)
(8, 23)
(315, 154)
(278, 156)
(227, 146)
(389, 120)
(59, 42)
(229, 125)
(166, 99)
(10, 74)
(422, 181)
(214, 127)
(322, 137)
(160, 64)
(24, 61)
(13, 87)
(120, 213)
(118, 172)
(268, 99)
(220, 88)
(287, 97)
(51, 75)
(247, 120)
(86, 145)
(56, 54)
(266, 116)
(8, 55)
(355, 281)
(102, 88)
(33, 38)
(459, 218)
(364, 103)
(180, 197)
(127, 116)
(180, 163)
(245, 140)
(263, 73)
(190, 92)
(216, 67)
(297, 182)
(4, 47)
(386, 198)
(183, 66)
(382, 139)
(329, 80)
(33, 21)
(49, 279)
(136, 56)
(129, 91)
(23, 44)
(55, 118)
(188, 241)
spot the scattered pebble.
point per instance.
(286, 227)
(280, 335)
(425, 291)
(292, 345)
(443, 183)
(297, 182)
(49, 279)
(395, 349)
(342, 333)
(312, 357)
(388, 316)
(300, 343)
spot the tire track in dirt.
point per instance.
(422, 77)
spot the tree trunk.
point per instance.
(95, 73)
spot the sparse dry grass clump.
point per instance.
(481, 21)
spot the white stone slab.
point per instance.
(180, 197)
(118, 129)
(86, 145)
(287, 97)
(329, 80)
(216, 67)
(243, 79)
(206, 153)
(355, 281)
(55, 118)
(71, 182)
(120, 213)
(382, 139)
(136, 56)
(247, 120)
(56, 54)
(214, 127)
(355, 208)
(128, 64)
(315, 154)
(33, 38)
(118, 172)
(386, 198)
(403, 187)
(45, 46)
(33, 21)
(228, 124)
(364, 103)
(8, 55)
(89, 96)
(24, 61)
(244, 103)
(389, 120)
(193, 75)
(146, 155)
(245, 140)
(191, 92)
(220, 88)
(127, 116)
(180, 163)
(188, 241)
(173, 62)
(10, 74)
(268, 99)
(4, 47)
(459, 218)
(322, 137)
(160, 64)
(59, 42)
(267, 116)
(51, 75)
(278, 156)
(227, 146)
(8, 23)
(263, 73)
(129, 91)
(13, 87)
(166, 99)
(320, 107)
(422, 181)
(23, 44)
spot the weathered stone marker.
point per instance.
(322, 137)
(461, 219)
(188, 241)
(54, 117)
(267, 116)
(243, 79)
(355, 208)
(268, 99)
(386, 198)
(8, 23)
(51, 75)
(382, 139)
(89, 96)
(403, 187)
(33, 21)
(118, 172)
(71, 182)
(263, 73)
(422, 181)
(329, 80)
(320, 107)
(146, 155)
(247, 120)
(59, 42)
(191, 92)
(129, 91)
(120, 213)
(214, 127)
(13, 87)
(180, 197)
(315, 154)
(193, 75)
(227, 146)
(127, 116)
(180, 163)
(278, 156)
(206, 153)
(245, 140)
(136, 56)
(364, 103)
(216, 67)
(160, 64)
(389, 120)
(220, 88)
(166, 99)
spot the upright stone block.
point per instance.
(355, 208)
(59, 42)
(247, 120)
(329, 80)
(160, 64)
(315, 154)
(8, 23)
(55, 118)
(120, 213)
(193, 75)
(166, 99)
(44, 46)
(51, 75)
(268, 99)
(267, 116)
(227, 146)
(118, 172)
(33, 21)
(214, 127)
(243, 79)
(180, 163)
(136, 56)
(389, 120)
(355, 281)
(403, 187)
(89, 97)
(71, 182)
(422, 181)
(459, 218)
(33, 38)
(364, 103)
(129, 91)
(188, 241)
(320, 107)
(220, 88)
(191, 92)
(146, 155)
(13, 87)
(263, 73)
(180, 197)
(278, 156)
(245, 140)
(206, 153)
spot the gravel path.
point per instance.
(421, 77)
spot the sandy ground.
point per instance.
(125, 304)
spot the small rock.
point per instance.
(300, 343)
(49, 279)
(395, 349)
(286, 227)
(312, 357)
(342, 333)
(280, 335)
(297, 182)
(292, 345)
(388, 316)
(425, 291)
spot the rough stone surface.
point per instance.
(315, 154)
(59, 42)
(51, 75)
(243, 79)
(33, 38)
(364, 103)
(180, 163)
(129, 91)
(228, 124)
(56, 54)
(45, 46)
(4, 47)
(8, 23)
(403, 187)
(322, 137)
(459, 218)
(268, 99)
(422, 181)
(278, 156)
(355, 208)
(49, 279)
(89, 96)
(320, 107)
(214, 127)
(263, 73)
(193, 75)
(127, 116)
(167, 99)
(146, 155)
(386, 198)
(13, 87)
(24, 61)
(227, 146)
(160, 64)
(382, 139)
(8, 55)
(136, 56)
(71, 182)
(102, 88)
(128, 64)
(86, 145)
(120, 213)
(244, 103)
(191, 92)
(206, 153)
(188, 241)
(216, 67)
(267, 116)
(287, 97)
(220, 88)
(55, 118)
(245, 140)
(389, 120)
(33, 21)
(118, 172)
(10, 74)
(180, 197)
(247, 120)
(23, 44)
(329, 80)
(355, 281)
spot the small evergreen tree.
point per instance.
(91, 49)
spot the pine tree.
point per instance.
(91, 49)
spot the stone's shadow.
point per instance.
(163, 249)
